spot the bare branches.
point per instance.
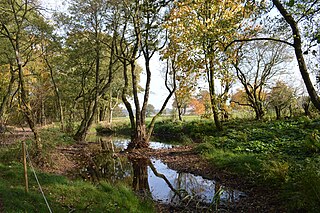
(258, 39)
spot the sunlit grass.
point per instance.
(64, 195)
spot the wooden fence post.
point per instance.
(25, 166)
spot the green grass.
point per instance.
(64, 195)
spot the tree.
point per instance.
(21, 25)
(310, 8)
(93, 71)
(203, 28)
(150, 110)
(197, 107)
(7, 76)
(239, 99)
(280, 97)
(140, 33)
(51, 49)
(296, 15)
(201, 103)
(182, 97)
(256, 64)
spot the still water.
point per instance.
(152, 176)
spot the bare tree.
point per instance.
(256, 64)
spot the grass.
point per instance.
(63, 195)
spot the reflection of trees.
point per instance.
(101, 162)
(140, 174)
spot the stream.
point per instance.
(153, 177)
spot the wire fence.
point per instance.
(36, 177)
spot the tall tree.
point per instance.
(87, 28)
(141, 35)
(21, 24)
(52, 55)
(300, 19)
(8, 77)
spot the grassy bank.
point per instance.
(282, 155)
(63, 195)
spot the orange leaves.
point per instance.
(197, 106)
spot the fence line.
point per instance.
(36, 177)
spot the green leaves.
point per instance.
(291, 3)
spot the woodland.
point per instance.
(242, 80)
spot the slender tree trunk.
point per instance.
(179, 112)
(42, 113)
(25, 105)
(213, 99)
(278, 112)
(171, 93)
(125, 100)
(57, 93)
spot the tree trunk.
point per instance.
(42, 115)
(140, 175)
(102, 113)
(57, 93)
(179, 112)
(297, 44)
(306, 107)
(25, 105)
(278, 112)
(214, 104)
(259, 112)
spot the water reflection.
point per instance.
(152, 176)
(188, 186)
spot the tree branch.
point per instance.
(258, 39)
